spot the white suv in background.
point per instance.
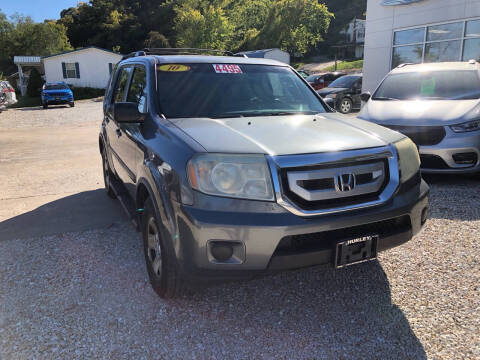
(436, 105)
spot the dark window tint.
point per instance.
(122, 81)
(138, 85)
(205, 90)
(435, 85)
(344, 81)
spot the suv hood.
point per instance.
(285, 135)
(420, 112)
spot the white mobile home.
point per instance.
(86, 67)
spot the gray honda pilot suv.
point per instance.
(231, 167)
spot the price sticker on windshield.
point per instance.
(227, 69)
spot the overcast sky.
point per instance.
(38, 10)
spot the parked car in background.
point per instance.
(7, 94)
(436, 105)
(344, 93)
(323, 80)
(57, 93)
(232, 167)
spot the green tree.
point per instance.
(202, 24)
(156, 40)
(295, 26)
(35, 83)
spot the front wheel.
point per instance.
(45, 105)
(72, 104)
(345, 106)
(162, 265)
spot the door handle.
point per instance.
(119, 133)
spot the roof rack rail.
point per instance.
(178, 51)
(403, 65)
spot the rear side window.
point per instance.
(121, 85)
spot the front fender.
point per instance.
(158, 187)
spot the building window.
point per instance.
(71, 73)
(455, 41)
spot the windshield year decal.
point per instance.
(227, 69)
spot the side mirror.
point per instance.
(365, 96)
(127, 112)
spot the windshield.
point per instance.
(435, 85)
(222, 90)
(344, 82)
(312, 78)
(56, 87)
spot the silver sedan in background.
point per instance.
(436, 105)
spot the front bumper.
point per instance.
(259, 237)
(441, 157)
(50, 100)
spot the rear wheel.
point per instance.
(162, 265)
(345, 106)
(107, 175)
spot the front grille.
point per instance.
(421, 135)
(55, 94)
(321, 187)
(429, 161)
(303, 243)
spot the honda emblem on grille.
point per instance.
(345, 182)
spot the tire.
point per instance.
(162, 266)
(72, 104)
(45, 106)
(107, 175)
(345, 106)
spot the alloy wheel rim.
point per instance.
(154, 250)
(345, 106)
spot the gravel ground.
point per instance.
(85, 294)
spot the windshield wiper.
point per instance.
(261, 113)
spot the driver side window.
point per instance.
(138, 89)
(121, 85)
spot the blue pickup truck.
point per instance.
(57, 93)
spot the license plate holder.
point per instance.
(356, 250)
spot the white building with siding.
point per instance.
(416, 31)
(86, 67)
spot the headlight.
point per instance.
(465, 127)
(331, 96)
(237, 176)
(408, 159)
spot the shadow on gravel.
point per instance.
(324, 312)
(50, 107)
(454, 197)
(83, 211)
